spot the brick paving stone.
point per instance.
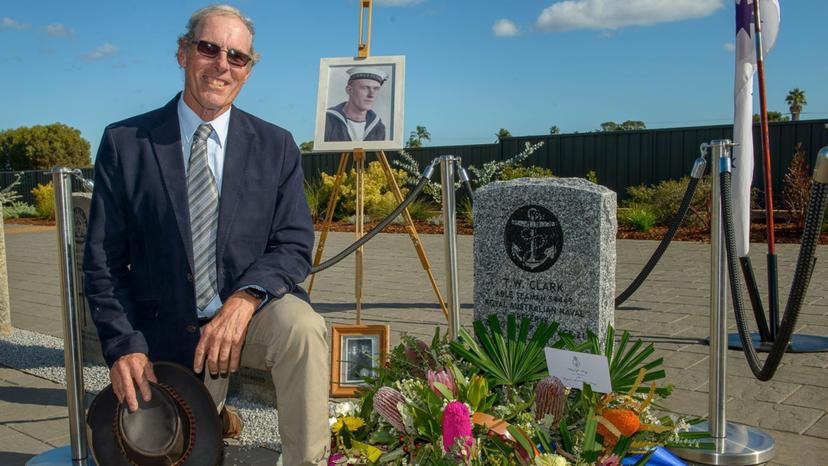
(749, 388)
(17, 448)
(687, 402)
(819, 429)
(809, 396)
(683, 360)
(773, 416)
(798, 450)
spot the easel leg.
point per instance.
(412, 231)
(329, 212)
(359, 160)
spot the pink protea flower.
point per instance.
(457, 427)
(444, 377)
(385, 404)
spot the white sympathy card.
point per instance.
(575, 369)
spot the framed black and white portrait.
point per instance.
(357, 352)
(360, 104)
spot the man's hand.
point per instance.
(129, 370)
(222, 339)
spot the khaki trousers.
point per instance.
(289, 339)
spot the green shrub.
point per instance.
(377, 194)
(45, 200)
(591, 176)
(513, 171)
(664, 199)
(313, 193)
(642, 218)
(421, 210)
(19, 210)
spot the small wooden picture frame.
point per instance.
(357, 351)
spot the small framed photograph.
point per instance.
(357, 351)
(360, 104)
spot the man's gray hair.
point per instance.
(218, 10)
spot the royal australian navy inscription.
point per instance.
(533, 238)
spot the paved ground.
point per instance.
(670, 310)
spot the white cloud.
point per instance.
(8, 23)
(59, 30)
(730, 46)
(398, 2)
(505, 28)
(614, 14)
(102, 51)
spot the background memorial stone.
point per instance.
(545, 249)
(91, 346)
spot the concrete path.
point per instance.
(670, 310)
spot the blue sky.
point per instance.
(473, 66)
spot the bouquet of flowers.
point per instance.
(488, 399)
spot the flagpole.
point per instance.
(773, 295)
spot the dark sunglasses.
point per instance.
(211, 50)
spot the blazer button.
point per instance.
(190, 277)
(191, 328)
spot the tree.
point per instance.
(417, 137)
(306, 146)
(772, 116)
(796, 101)
(553, 130)
(43, 147)
(503, 134)
(633, 125)
(628, 125)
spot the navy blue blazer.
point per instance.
(138, 261)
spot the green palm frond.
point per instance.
(624, 362)
(511, 358)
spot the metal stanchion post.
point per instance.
(735, 444)
(450, 240)
(72, 352)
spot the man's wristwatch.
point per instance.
(261, 295)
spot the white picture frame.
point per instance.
(387, 106)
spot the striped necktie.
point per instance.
(203, 196)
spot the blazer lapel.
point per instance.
(239, 145)
(166, 142)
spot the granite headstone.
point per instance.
(545, 249)
(91, 345)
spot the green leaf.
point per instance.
(522, 439)
(391, 456)
(444, 390)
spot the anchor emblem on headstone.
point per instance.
(533, 238)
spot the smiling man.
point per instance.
(199, 236)
(354, 120)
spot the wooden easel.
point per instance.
(363, 51)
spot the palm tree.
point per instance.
(418, 136)
(553, 130)
(796, 100)
(503, 134)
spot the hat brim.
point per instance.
(208, 447)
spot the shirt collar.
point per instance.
(189, 122)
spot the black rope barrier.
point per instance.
(799, 287)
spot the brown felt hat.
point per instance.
(179, 425)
